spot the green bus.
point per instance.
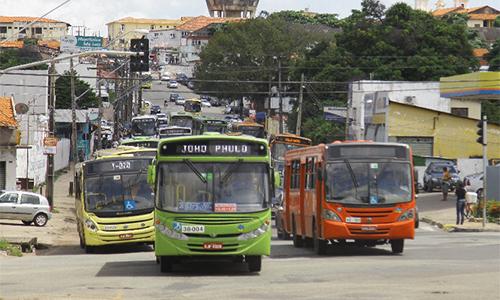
(204, 124)
(213, 199)
(181, 119)
(142, 142)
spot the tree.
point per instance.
(14, 57)
(63, 93)
(493, 57)
(497, 22)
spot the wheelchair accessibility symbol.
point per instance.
(129, 204)
(177, 226)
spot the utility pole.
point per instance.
(299, 113)
(73, 114)
(99, 117)
(49, 191)
(281, 98)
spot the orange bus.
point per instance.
(344, 192)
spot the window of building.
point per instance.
(152, 27)
(122, 27)
(310, 173)
(172, 35)
(3, 29)
(460, 111)
(38, 30)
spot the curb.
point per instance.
(454, 228)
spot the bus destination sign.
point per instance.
(100, 166)
(293, 140)
(213, 148)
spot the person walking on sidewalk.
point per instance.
(460, 192)
(445, 183)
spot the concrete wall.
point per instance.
(29, 89)
(61, 159)
(454, 137)
(82, 69)
(9, 156)
(164, 39)
(37, 161)
(473, 106)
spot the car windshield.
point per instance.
(213, 187)
(279, 150)
(181, 122)
(368, 183)
(440, 168)
(118, 194)
(144, 127)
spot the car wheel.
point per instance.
(40, 220)
(397, 246)
(254, 263)
(27, 223)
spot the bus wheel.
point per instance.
(319, 245)
(166, 264)
(254, 263)
(397, 246)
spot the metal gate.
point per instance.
(2, 175)
(420, 145)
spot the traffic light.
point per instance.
(481, 132)
(139, 63)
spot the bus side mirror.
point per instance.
(151, 174)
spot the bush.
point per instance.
(10, 249)
(492, 210)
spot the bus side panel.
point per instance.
(287, 224)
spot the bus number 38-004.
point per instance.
(121, 165)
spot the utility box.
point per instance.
(492, 183)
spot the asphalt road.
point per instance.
(436, 265)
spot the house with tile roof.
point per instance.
(482, 16)
(13, 28)
(8, 143)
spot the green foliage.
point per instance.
(491, 108)
(321, 131)
(304, 18)
(493, 57)
(14, 57)
(10, 249)
(492, 210)
(63, 93)
(497, 22)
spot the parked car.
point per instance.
(25, 206)
(173, 97)
(434, 173)
(146, 85)
(165, 78)
(190, 84)
(181, 78)
(172, 84)
(155, 109)
(205, 103)
(180, 100)
(215, 102)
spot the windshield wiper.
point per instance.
(353, 177)
(230, 171)
(195, 170)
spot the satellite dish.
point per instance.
(21, 108)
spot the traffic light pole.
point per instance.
(485, 166)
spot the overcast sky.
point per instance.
(94, 14)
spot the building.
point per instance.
(232, 8)
(8, 144)
(121, 31)
(483, 16)
(42, 29)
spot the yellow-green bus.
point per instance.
(114, 203)
(213, 198)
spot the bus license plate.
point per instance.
(213, 246)
(353, 220)
(126, 236)
(193, 228)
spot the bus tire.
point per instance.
(397, 246)
(82, 243)
(254, 263)
(166, 264)
(298, 242)
(319, 245)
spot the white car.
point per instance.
(172, 84)
(25, 206)
(205, 103)
(180, 101)
(474, 183)
(165, 78)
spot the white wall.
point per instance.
(83, 69)
(9, 156)
(29, 89)
(475, 23)
(37, 161)
(61, 159)
(164, 38)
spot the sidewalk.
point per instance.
(446, 220)
(60, 229)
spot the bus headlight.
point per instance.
(90, 225)
(331, 215)
(171, 233)
(253, 234)
(407, 215)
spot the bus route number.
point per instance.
(193, 229)
(121, 165)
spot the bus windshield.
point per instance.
(144, 127)
(183, 121)
(115, 195)
(255, 131)
(213, 187)
(215, 128)
(279, 150)
(192, 106)
(368, 183)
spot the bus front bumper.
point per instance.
(342, 231)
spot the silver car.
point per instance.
(25, 206)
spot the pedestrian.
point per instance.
(445, 183)
(460, 192)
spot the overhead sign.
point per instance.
(73, 44)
